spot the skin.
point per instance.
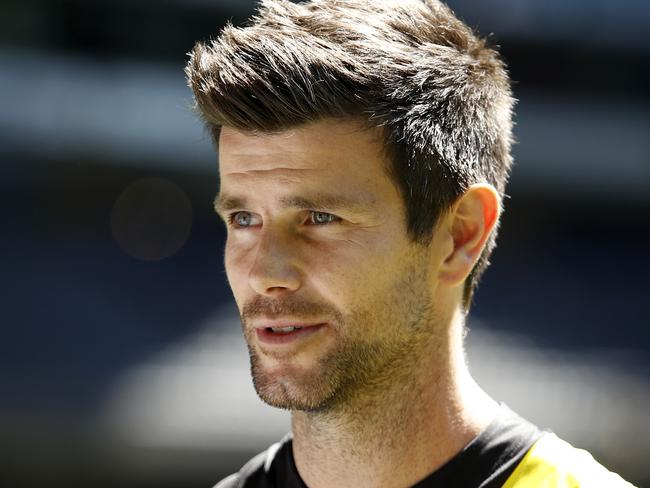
(380, 394)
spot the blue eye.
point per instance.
(321, 218)
(241, 219)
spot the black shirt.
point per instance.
(486, 462)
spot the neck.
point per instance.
(399, 436)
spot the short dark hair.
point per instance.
(440, 95)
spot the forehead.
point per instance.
(319, 149)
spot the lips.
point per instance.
(282, 332)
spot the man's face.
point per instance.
(335, 299)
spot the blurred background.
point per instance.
(121, 358)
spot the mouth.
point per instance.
(275, 332)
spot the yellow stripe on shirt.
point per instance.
(554, 463)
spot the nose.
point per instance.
(275, 268)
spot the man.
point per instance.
(364, 149)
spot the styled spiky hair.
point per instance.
(441, 96)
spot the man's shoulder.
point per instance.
(555, 463)
(258, 471)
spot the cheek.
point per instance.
(349, 279)
(236, 270)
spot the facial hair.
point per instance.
(378, 345)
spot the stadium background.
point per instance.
(121, 359)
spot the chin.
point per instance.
(292, 388)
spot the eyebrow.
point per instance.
(224, 202)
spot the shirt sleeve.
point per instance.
(231, 481)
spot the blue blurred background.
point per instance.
(121, 359)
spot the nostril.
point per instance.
(275, 280)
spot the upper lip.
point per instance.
(276, 323)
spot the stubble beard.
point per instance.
(356, 369)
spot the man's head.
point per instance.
(360, 145)
(440, 96)
(317, 239)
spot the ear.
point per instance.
(470, 222)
